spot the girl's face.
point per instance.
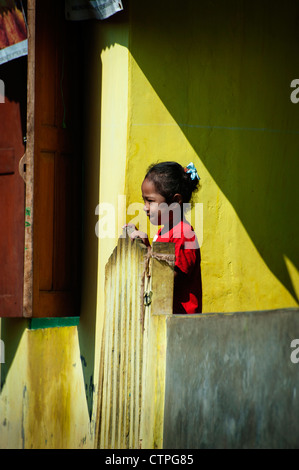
(155, 206)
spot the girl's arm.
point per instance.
(138, 234)
(142, 235)
(179, 276)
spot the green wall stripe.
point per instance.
(37, 323)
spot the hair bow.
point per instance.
(192, 170)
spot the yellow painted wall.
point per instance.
(210, 83)
(207, 82)
(42, 402)
(106, 111)
(49, 380)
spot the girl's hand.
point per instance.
(130, 225)
(137, 234)
(142, 235)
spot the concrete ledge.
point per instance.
(230, 381)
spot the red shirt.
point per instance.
(187, 287)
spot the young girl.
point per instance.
(165, 189)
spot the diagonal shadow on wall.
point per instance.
(223, 70)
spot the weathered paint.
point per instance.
(132, 370)
(154, 373)
(54, 384)
(43, 403)
(121, 364)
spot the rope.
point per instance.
(169, 259)
(146, 275)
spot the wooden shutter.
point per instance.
(12, 121)
(40, 231)
(57, 143)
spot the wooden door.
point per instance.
(57, 163)
(12, 200)
(49, 277)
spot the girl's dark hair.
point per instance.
(170, 178)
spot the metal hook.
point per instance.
(22, 167)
